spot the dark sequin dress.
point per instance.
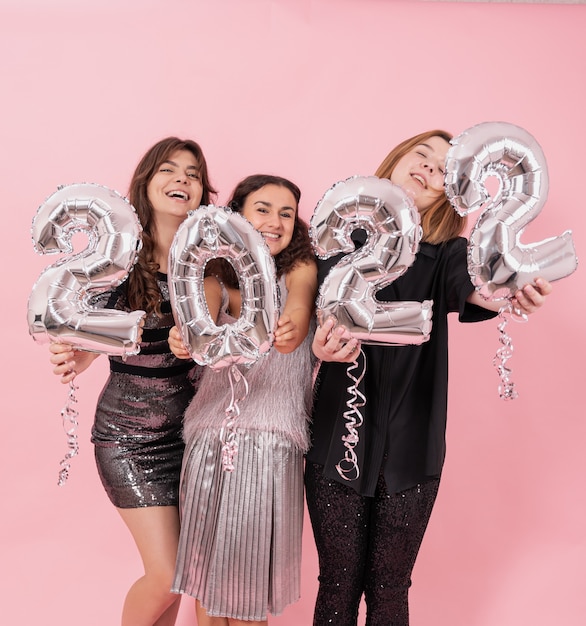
(137, 430)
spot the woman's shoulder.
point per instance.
(302, 270)
(457, 245)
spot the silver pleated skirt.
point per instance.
(240, 544)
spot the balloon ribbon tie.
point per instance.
(228, 429)
(69, 415)
(506, 389)
(348, 466)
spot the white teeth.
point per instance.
(419, 179)
(270, 236)
(178, 194)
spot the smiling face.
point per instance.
(175, 187)
(271, 210)
(420, 172)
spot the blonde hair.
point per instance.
(439, 222)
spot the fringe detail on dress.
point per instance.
(240, 546)
(273, 403)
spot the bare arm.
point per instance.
(293, 325)
(329, 343)
(525, 301)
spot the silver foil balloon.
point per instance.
(212, 232)
(498, 263)
(391, 222)
(59, 307)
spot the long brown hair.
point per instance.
(439, 222)
(142, 289)
(299, 249)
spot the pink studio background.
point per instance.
(316, 90)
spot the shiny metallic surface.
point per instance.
(391, 222)
(137, 430)
(59, 307)
(498, 263)
(212, 232)
(240, 543)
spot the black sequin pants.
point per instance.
(365, 545)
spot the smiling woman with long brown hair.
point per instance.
(138, 421)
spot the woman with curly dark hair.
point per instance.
(138, 421)
(298, 251)
(240, 543)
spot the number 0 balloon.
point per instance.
(498, 263)
(212, 232)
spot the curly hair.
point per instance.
(440, 222)
(299, 249)
(142, 289)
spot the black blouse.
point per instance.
(406, 387)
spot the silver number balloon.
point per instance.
(498, 263)
(391, 222)
(212, 232)
(59, 307)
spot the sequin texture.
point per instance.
(138, 422)
(366, 545)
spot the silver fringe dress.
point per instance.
(240, 543)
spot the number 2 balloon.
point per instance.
(498, 263)
(59, 306)
(391, 222)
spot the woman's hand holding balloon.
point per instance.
(523, 302)
(176, 344)
(287, 335)
(69, 362)
(531, 297)
(331, 343)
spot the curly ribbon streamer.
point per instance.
(228, 429)
(348, 466)
(506, 389)
(69, 415)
